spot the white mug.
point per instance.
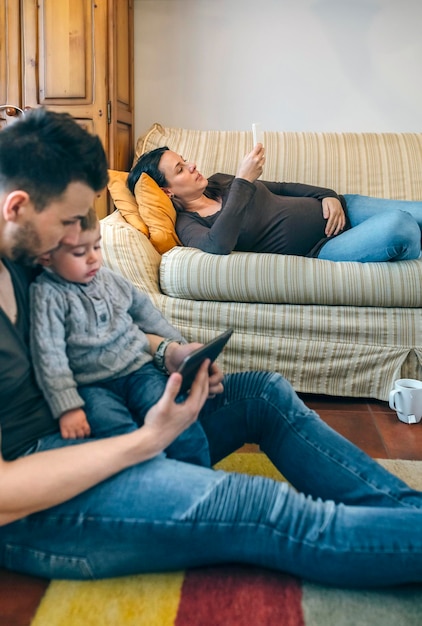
(406, 400)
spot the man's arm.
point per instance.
(174, 355)
(42, 480)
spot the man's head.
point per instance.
(51, 168)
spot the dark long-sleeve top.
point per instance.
(281, 218)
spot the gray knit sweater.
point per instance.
(83, 334)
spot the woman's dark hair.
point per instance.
(148, 163)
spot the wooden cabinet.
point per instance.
(74, 56)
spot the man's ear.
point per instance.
(13, 204)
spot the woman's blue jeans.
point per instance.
(382, 230)
(347, 522)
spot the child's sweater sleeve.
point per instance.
(48, 349)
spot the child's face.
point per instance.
(78, 263)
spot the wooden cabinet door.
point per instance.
(10, 57)
(121, 77)
(64, 49)
(77, 56)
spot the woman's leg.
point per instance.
(360, 208)
(263, 408)
(385, 236)
(165, 515)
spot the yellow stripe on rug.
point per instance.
(150, 599)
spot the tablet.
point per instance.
(191, 364)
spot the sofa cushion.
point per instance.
(191, 274)
(157, 211)
(130, 253)
(124, 200)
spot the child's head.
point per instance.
(78, 263)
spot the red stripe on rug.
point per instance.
(20, 596)
(240, 596)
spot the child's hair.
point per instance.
(89, 221)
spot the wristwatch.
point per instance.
(160, 354)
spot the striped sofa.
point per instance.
(342, 329)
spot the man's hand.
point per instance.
(175, 354)
(334, 214)
(167, 418)
(74, 425)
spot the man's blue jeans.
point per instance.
(347, 522)
(382, 230)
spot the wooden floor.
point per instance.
(371, 425)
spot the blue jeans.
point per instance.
(382, 230)
(120, 405)
(347, 522)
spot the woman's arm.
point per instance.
(217, 234)
(220, 236)
(42, 480)
(332, 204)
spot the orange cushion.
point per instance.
(157, 211)
(124, 200)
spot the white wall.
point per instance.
(318, 65)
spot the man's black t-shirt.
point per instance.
(24, 415)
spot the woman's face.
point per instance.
(184, 180)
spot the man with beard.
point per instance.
(50, 171)
(78, 509)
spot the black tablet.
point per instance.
(191, 364)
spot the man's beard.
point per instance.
(27, 245)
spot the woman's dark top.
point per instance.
(24, 414)
(282, 218)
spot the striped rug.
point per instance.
(231, 595)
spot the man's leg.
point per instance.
(163, 515)
(263, 408)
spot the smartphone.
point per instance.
(191, 364)
(257, 133)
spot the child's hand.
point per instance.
(74, 425)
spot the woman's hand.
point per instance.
(251, 167)
(334, 214)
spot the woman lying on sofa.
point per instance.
(226, 213)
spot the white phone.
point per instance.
(257, 133)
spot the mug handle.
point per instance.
(392, 400)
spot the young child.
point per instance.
(89, 342)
